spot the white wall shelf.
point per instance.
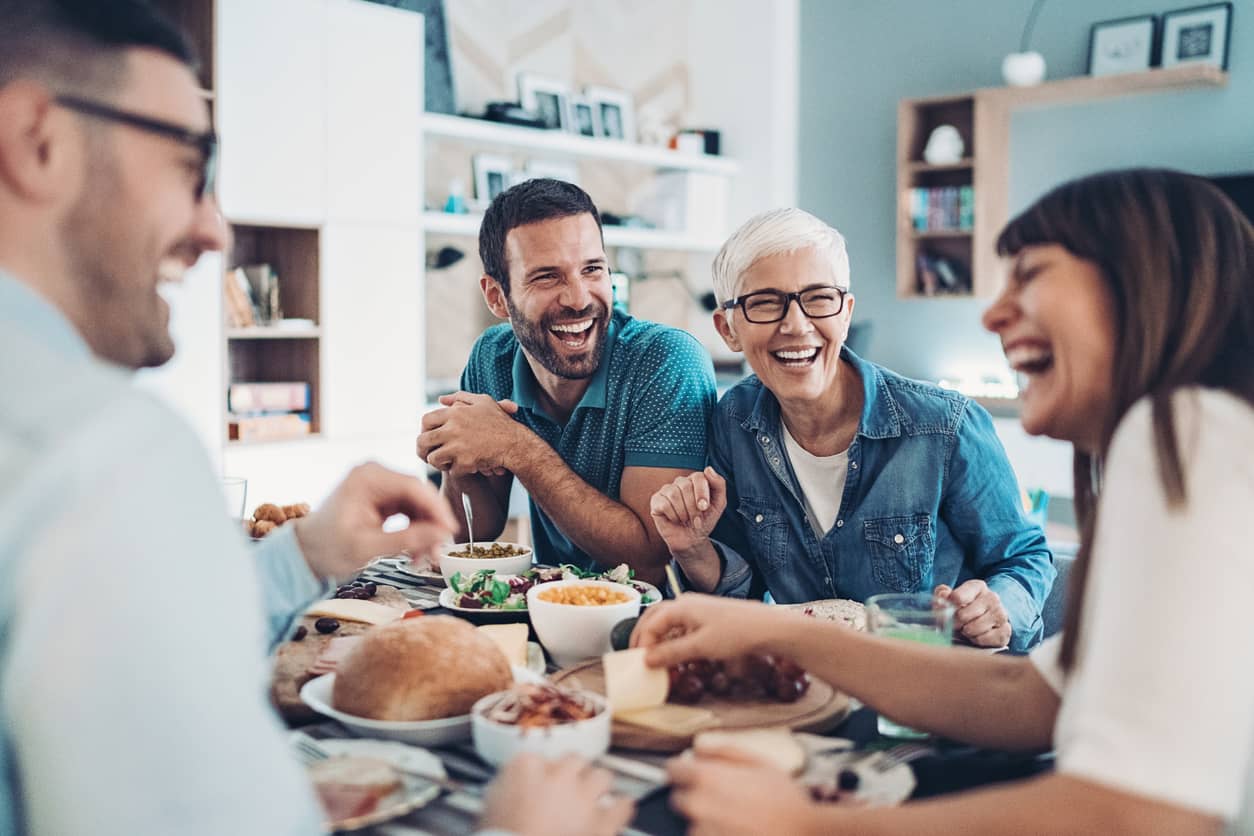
(570, 145)
(272, 333)
(445, 223)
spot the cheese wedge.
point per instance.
(775, 748)
(353, 609)
(630, 684)
(511, 638)
(680, 720)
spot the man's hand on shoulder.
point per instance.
(346, 531)
(472, 434)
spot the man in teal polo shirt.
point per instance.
(590, 409)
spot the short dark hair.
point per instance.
(529, 202)
(79, 43)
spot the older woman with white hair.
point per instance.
(832, 477)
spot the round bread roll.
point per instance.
(419, 669)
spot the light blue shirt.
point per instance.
(133, 675)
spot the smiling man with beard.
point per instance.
(590, 409)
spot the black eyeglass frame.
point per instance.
(206, 143)
(789, 298)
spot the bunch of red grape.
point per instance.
(754, 677)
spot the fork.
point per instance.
(311, 752)
(901, 753)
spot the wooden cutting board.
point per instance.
(292, 659)
(821, 709)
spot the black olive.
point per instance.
(300, 633)
(326, 625)
(371, 589)
(848, 780)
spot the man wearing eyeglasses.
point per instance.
(132, 637)
(832, 477)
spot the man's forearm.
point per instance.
(609, 531)
(955, 692)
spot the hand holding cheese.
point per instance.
(637, 694)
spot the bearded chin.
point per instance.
(533, 336)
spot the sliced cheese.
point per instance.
(681, 720)
(354, 609)
(776, 748)
(630, 683)
(511, 638)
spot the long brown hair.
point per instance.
(1178, 259)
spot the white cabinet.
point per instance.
(373, 328)
(374, 97)
(271, 109)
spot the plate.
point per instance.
(413, 793)
(448, 599)
(316, 694)
(842, 610)
(820, 709)
(879, 784)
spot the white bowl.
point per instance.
(316, 694)
(516, 565)
(497, 742)
(573, 633)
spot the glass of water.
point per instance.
(912, 616)
(235, 490)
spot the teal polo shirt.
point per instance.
(648, 405)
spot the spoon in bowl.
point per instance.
(470, 522)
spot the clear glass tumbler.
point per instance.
(912, 616)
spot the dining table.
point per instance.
(947, 767)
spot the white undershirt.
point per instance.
(822, 481)
(1160, 702)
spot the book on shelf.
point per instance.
(942, 209)
(238, 302)
(245, 398)
(275, 426)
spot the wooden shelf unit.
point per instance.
(982, 118)
(268, 354)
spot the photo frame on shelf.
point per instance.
(1123, 45)
(614, 112)
(1197, 35)
(493, 175)
(583, 117)
(547, 98)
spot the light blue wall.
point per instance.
(859, 57)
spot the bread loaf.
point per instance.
(419, 669)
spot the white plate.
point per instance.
(826, 757)
(316, 694)
(448, 599)
(413, 793)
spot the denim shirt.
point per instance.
(929, 498)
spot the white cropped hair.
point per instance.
(776, 232)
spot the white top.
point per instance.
(822, 481)
(1161, 701)
(133, 671)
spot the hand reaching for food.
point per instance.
(686, 510)
(346, 532)
(532, 796)
(728, 792)
(695, 626)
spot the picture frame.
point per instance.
(584, 119)
(493, 175)
(547, 98)
(1123, 45)
(615, 112)
(1197, 35)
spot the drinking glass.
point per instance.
(235, 490)
(913, 616)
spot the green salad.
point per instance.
(482, 590)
